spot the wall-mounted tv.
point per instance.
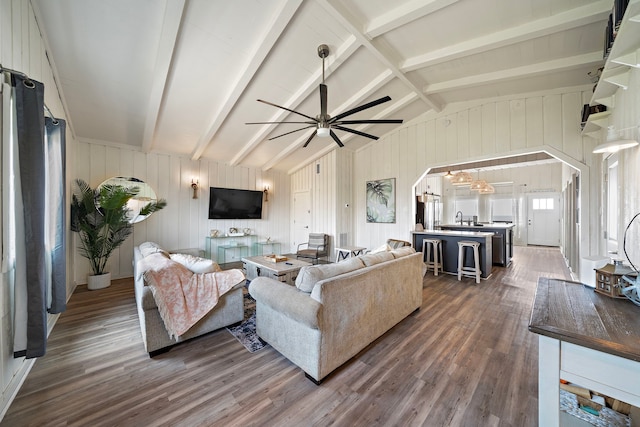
(231, 203)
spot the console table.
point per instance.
(234, 246)
(586, 338)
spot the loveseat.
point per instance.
(228, 310)
(336, 310)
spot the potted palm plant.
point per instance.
(101, 217)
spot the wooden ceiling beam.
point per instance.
(404, 14)
(580, 16)
(280, 20)
(557, 65)
(171, 24)
(382, 53)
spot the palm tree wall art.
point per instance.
(381, 201)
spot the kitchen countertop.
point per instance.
(456, 233)
(491, 225)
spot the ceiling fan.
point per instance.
(324, 123)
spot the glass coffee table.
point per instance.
(283, 271)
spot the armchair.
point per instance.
(317, 247)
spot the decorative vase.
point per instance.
(99, 281)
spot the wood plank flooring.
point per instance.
(465, 358)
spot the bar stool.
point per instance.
(436, 244)
(469, 271)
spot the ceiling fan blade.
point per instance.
(336, 139)
(297, 130)
(323, 100)
(309, 140)
(287, 109)
(357, 132)
(280, 123)
(362, 122)
(360, 108)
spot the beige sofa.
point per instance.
(156, 339)
(336, 310)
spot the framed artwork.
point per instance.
(381, 201)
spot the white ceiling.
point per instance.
(183, 76)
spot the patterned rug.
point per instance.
(246, 331)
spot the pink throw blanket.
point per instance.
(184, 297)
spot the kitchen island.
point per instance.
(502, 239)
(450, 241)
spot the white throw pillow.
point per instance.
(383, 248)
(196, 264)
(148, 248)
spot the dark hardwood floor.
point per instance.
(466, 358)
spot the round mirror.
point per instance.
(145, 195)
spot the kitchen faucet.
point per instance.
(459, 213)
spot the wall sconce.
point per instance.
(194, 186)
(266, 193)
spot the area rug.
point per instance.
(246, 331)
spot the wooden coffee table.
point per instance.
(283, 271)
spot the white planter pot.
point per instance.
(99, 281)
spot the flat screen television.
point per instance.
(231, 203)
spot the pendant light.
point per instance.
(613, 144)
(478, 184)
(448, 175)
(461, 178)
(487, 189)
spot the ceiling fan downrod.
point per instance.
(323, 52)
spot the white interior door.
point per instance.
(612, 211)
(301, 218)
(543, 219)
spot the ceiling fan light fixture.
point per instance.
(323, 132)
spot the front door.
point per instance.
(543, 219)
(301, 218)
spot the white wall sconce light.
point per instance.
(195, 184)
(266, 193)
(613, 143)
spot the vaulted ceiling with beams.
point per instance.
(184, 76)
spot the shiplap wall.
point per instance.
(329, 180)
(22, 49)
(184, 222)
(463, 133)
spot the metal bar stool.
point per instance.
(469, 271)
(436, 264)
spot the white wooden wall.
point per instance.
(330, 182)
(184, 222)
(463, 133)
(22, 49)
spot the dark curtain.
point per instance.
(56, 190)
(45, 282)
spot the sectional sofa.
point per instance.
(336, 310)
